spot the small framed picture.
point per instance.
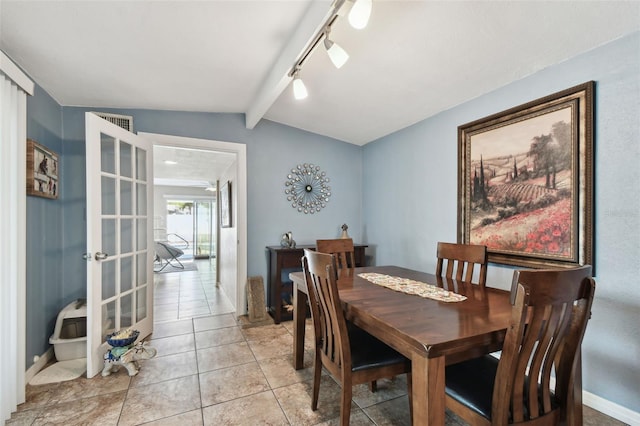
(225, 205)
(43, 171)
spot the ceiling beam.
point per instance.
(278, 78)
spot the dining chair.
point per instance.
(344, 258)
(343, 250)
(460, 261)
(548, 320)
(351, 355)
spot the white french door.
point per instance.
(119, 235)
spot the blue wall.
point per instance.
(44, 275)
(420, 182)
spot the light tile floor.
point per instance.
(209, 371)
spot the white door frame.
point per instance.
(240, 202)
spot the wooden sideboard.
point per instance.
(283, 261)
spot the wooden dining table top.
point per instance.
(410, 323)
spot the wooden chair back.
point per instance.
(549, 317)
(341, 248)
(329, 323)
(458, 261)
(351, 355)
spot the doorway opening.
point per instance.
(231, 243)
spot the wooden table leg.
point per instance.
(427, 375)
(299, 318)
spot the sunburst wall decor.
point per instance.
(307, 188)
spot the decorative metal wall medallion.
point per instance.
(307, 188)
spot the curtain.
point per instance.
(13, 111)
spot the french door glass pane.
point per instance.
(141, 269)
(109, 236)
(125, 160)
(126, 197)
(141, 164)
(107, 153)
(108, 278)
(141, 303)
(141, 231)
(108, 318)
(126, 305)
(141, 207)
(126, 273)
(126, 236)
(108, 185)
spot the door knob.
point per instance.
(101, 256)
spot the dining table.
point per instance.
(431, 332)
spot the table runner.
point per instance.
(417, 288)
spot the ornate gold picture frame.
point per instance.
(525, 181)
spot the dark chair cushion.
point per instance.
(367, 351)
(471, 383)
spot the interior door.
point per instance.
(119, 235)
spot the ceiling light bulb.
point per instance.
(336, 53)
(360, 13)
(299, 89)
(170, 162)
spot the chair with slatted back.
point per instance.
(344, 256)
(548, 320)
(351, 355)
(458, 261)
(343, 250)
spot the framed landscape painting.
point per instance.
(525, 181)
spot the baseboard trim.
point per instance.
(611, 409)
(38, 365)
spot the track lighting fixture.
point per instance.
(299, 89)
(360, 13)
(336, 53)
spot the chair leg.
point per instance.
(181, 266)
(317, 372)
(373, 386)
(345, 404)
(162, 266)
(410, 394)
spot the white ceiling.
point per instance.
(413, 60)
(197, 168)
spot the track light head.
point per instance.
(360, 13)
(336, 53)
(299, 89)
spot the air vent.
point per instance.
(124, 121)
